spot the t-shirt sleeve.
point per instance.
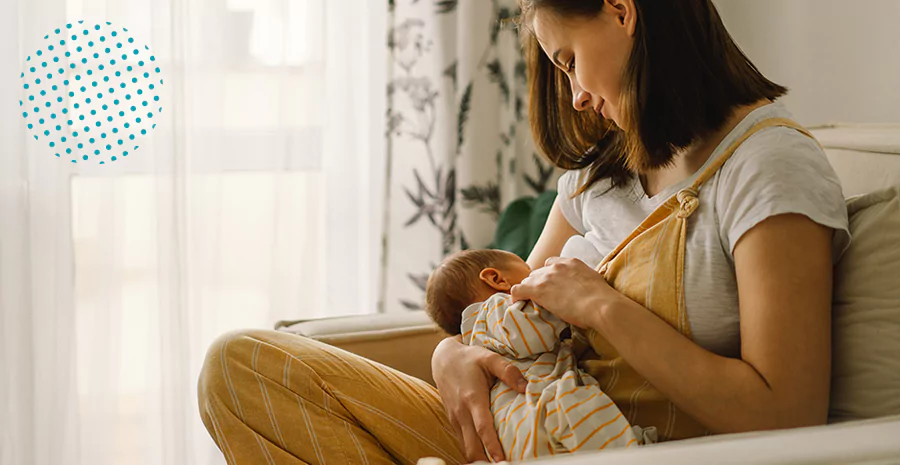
(571, 208)
(776, 172)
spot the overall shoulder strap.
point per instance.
(766, 123)
(686, 201)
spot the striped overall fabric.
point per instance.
(563, 409)
(648, 268)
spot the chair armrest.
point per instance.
(402, 341)
(858, 442)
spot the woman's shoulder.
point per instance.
(572, 180)
(779, 170)
(781, 151)
(592, 199)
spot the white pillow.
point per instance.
(866, 315)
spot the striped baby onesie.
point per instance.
(563, 409)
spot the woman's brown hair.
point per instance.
(684, 78)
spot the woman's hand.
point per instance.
(464, 376)
(569, 289)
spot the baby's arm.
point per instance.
(518, 330)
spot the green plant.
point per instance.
(521, 223)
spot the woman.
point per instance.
(658, 116)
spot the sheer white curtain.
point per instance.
(255, 199)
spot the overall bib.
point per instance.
(648, 267)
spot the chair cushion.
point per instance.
(866, 364)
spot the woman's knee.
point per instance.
(231, 354)
(213, 372)
(226, 351)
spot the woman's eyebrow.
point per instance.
(556, 59)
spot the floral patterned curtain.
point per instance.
(459, 145)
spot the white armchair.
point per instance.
(867, 158)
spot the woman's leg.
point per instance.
(270, 397)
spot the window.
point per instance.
(255, 199)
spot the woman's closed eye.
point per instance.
(570, 66)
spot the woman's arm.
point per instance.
(784, 275)
(556, 232)
(464, 376)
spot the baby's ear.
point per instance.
(493, 278)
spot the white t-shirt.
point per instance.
(777, 170)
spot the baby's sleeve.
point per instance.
(518, 330)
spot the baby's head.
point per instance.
(467, 277)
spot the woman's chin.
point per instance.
(612, 121)
(608, 113)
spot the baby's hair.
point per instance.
(453, 285)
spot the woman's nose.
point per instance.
(581, 100)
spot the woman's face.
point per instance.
(592, 52)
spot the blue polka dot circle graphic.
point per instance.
(91, 94)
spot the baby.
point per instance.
(563, 409)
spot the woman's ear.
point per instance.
(626, 14)
(494, 278)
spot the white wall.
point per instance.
(840, 58)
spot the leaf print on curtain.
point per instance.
(459, 145)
